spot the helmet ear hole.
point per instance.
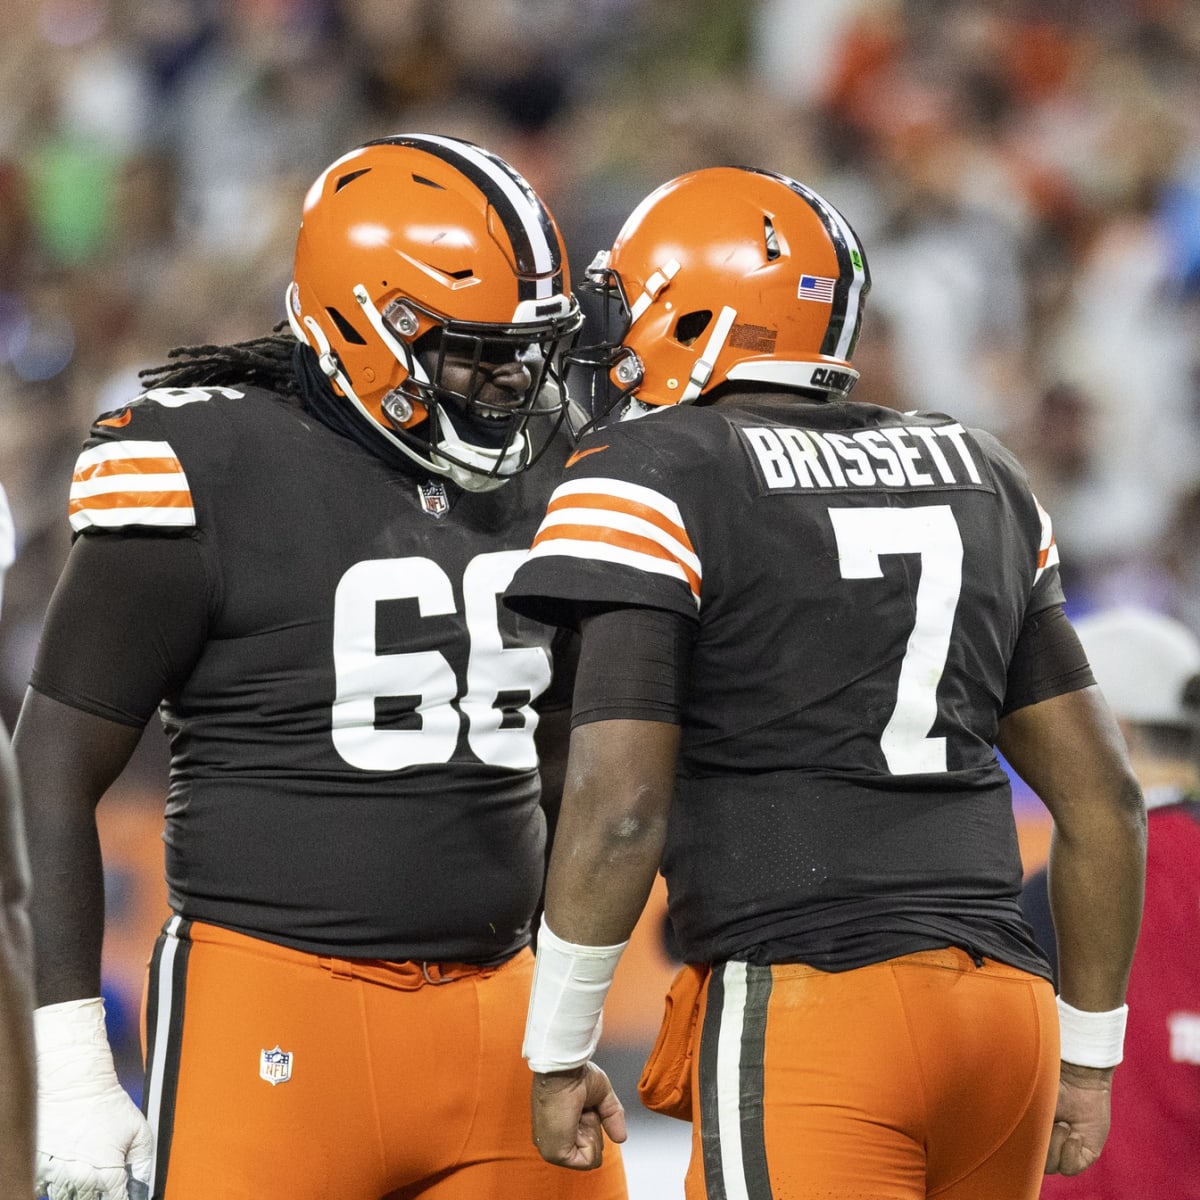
(345, 328)
(772, 239)
(691, 325)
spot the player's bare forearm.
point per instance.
(1096, 883)
(1070, 751)
(612, 828)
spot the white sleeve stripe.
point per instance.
(1047, 529)
(605, 552)
(114, 518)
(626, 523)
(1047, 555)
(621, 490)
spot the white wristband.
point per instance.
(1091, 1039)
(570, 983)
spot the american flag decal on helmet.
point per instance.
(816, 287)
(610, 520)
(130, 483)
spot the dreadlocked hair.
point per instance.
(265, 362)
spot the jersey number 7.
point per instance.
(863, 536)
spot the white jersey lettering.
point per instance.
(899, 456)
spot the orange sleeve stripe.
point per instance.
(112, 500)
(1044, 554)
(617, 537)
(129, 466)
(607, 503)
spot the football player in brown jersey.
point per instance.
(293, 549)
(808, 624)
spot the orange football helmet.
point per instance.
(728, 274)
(414, 249)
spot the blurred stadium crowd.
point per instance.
(1024, 173)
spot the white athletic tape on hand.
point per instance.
(570, 984)
(92, 1143)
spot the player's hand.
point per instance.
(1081, 1120)
(92, 1142)
(572, 1110)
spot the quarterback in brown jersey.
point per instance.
(807, 626)
(293, 549)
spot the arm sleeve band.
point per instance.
(124, 626)
(1091, 1039)
(570, 984)
(1048, 661)
(633, 666)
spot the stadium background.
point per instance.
(1024, 173)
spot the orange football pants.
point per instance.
(924, 1076)
(272, 1073)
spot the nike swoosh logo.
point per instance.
(582, 454)
(117, 421)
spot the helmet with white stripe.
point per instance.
(424, 267)
(728, 274)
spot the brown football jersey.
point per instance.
(349, 706)
(859, 578)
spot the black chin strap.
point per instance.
(335, 412)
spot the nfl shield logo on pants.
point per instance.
(275, 1066)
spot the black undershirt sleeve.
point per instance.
(564, 654)
(124, 626)
(633, 665)
(1048, 661)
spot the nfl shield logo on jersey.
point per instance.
(275, 1066)
(435, 500)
